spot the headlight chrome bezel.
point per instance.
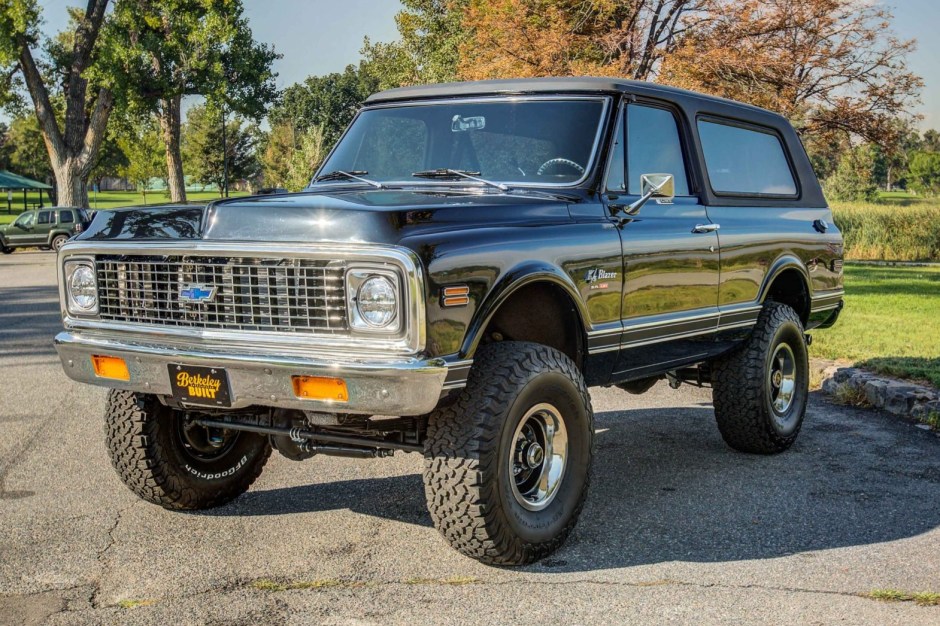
(70, 268)
(356, 278)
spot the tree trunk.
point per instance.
(170, 125)
(71, 186)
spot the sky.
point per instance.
(322, 36)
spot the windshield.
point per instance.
(519, 141)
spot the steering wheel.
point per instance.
(559, 161)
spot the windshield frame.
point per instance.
(589, 169)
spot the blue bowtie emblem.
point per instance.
(197, 293)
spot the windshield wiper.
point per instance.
(449, 173)
(353, 175)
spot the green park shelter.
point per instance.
(10, 182)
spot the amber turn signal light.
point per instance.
(320, 388)
(456, 295)
(110, 367)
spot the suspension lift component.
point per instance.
(375, 446)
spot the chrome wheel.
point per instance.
(782, 379)
(538, 457)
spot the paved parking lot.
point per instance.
(677, 529)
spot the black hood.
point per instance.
(360, 216)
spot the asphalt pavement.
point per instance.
(678, 528)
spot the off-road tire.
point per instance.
(57, 242)
(741, 390)
(6, 250)
(467, 475)
(151, 460)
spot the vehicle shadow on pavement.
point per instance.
(29, 319)
(666, 488)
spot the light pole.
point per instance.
(224, 157)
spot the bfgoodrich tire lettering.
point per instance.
(471, 445)
(154, 460)
(760, 390)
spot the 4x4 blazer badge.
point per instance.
(197, 293)
(598, 274)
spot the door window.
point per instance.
(66, 217)
(653, 147)
(745, 161)
(45, 217)
(25, 221)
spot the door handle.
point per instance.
(705, 228)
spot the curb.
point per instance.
(901, 398)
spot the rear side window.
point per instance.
(45, 217)
(745, 161)
(66, 217)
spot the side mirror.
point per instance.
(653, 186)
(658, 185)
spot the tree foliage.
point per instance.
(627, 38)
(854, 178)
(168, 49)
(145, 156)
(202, 147)
(329, 102)
(924, 172)
(830, 66)
(428, 51)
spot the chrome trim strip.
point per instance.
(400, 104)
(457, 374)
(410, 341)
(377, 386)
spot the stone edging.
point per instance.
(894, 396)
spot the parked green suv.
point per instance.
(46, 228)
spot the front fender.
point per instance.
(508, 283)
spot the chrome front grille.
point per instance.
(288, 295)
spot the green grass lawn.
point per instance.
(891, 322)
(106, 200)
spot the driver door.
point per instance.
(670, 249)
(23, 230)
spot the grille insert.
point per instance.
(288, 295)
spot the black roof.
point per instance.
(574, 84)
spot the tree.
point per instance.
(428, 51)
(145, 156)
(279, 147)
(521, 38)
(854, 178)
(110, 160)
(72, 143)
(329, 102)
(175, 48)
(924, 173)
(830, 66)
(28, 155)
(202, 142)
(312, 149)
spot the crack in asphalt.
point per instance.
(101, 555)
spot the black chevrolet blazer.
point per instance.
(468, 260)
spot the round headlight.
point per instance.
(377, 301)
(82, 290)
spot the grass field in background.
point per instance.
(105, 200)
(889, 324)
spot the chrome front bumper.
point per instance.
(399, 386)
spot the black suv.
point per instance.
(46, 228)
(469, 260)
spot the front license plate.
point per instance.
(207, 386)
